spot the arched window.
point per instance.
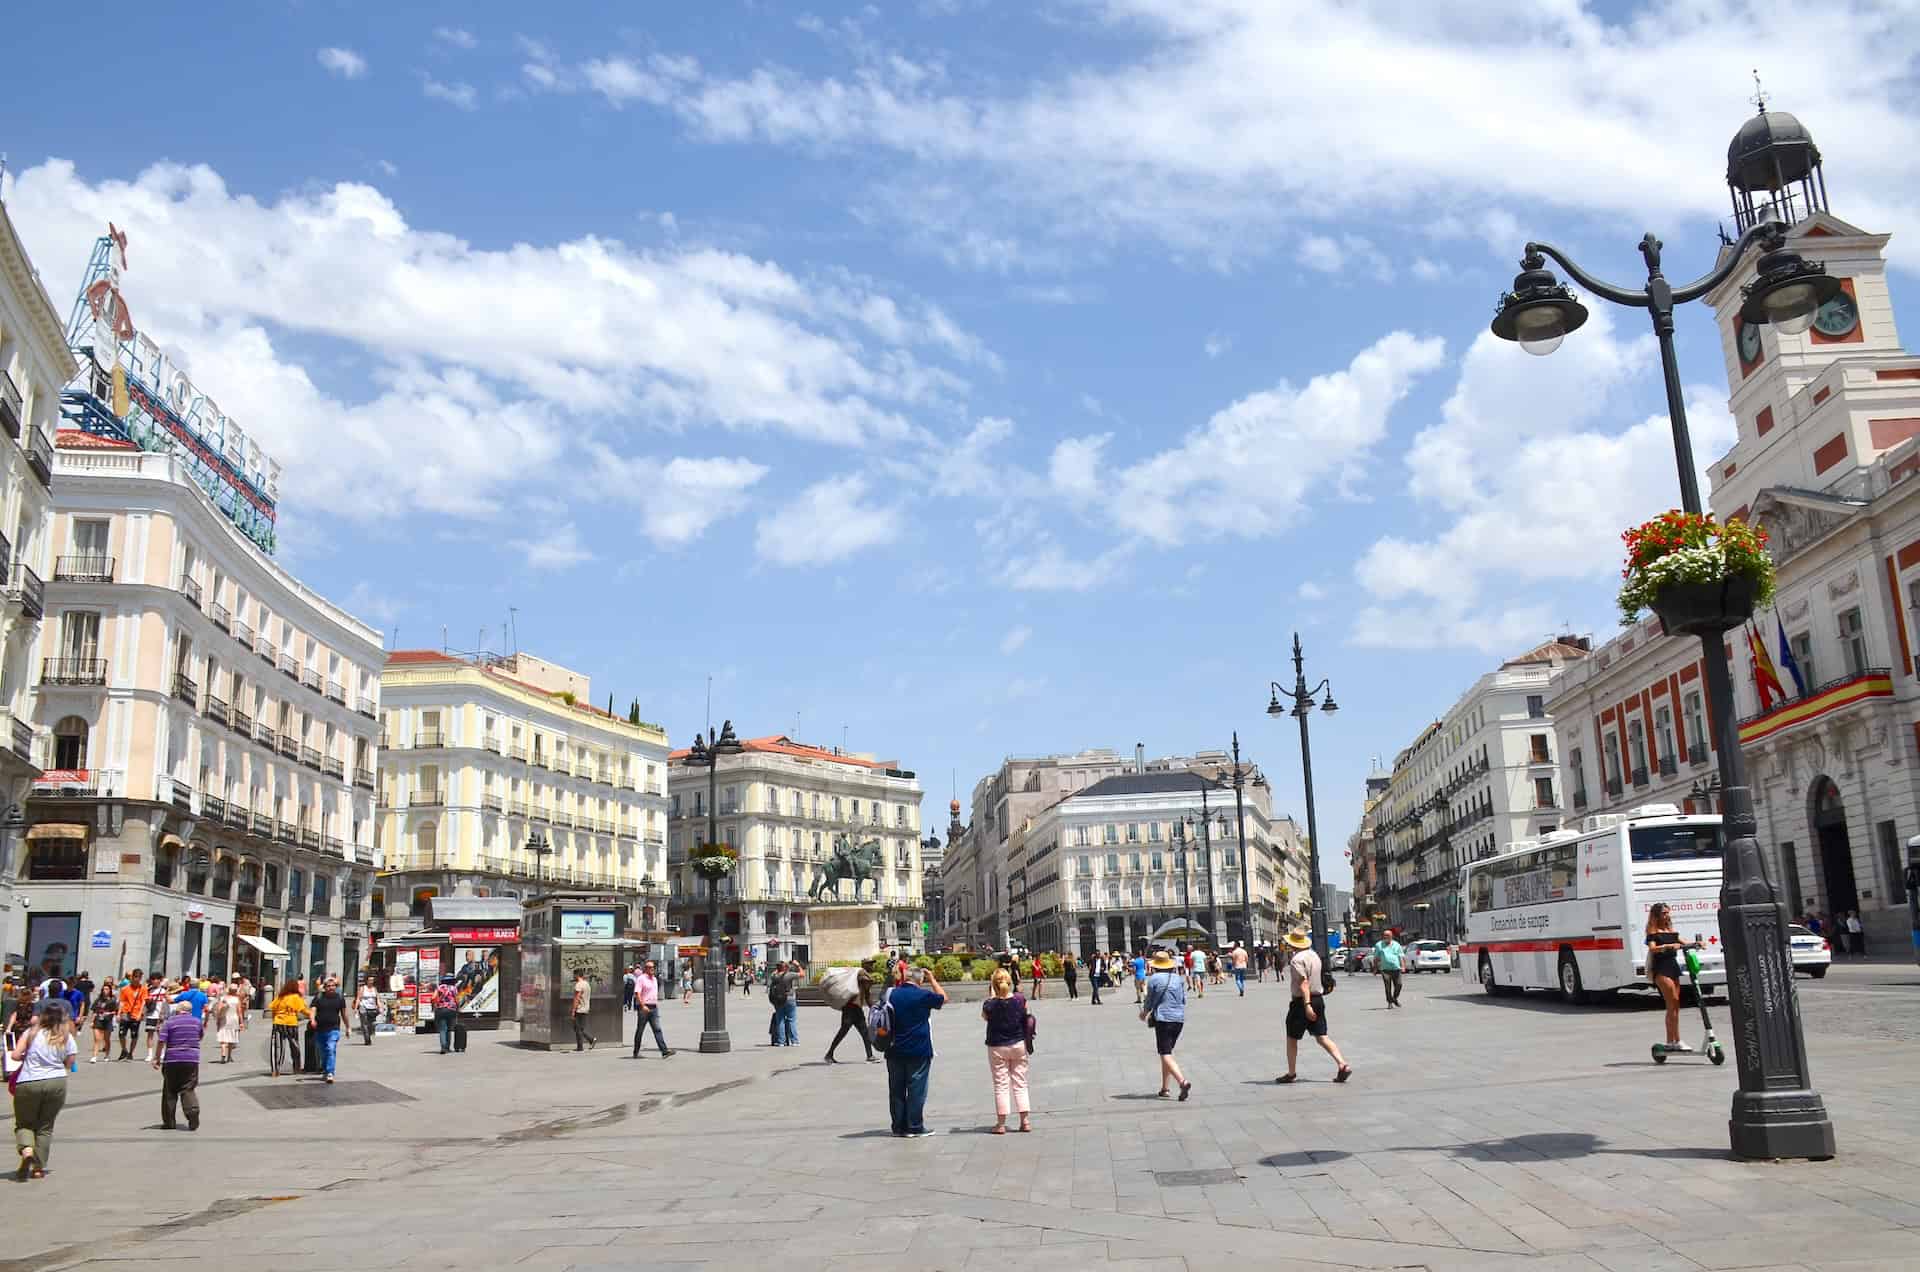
(70, 743)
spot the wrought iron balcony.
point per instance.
(490, 743)
(261, 826)
(236, 817)
(186, 688)
(1669, 765)
(285, 833)
(428, 797)
(363, 777)
(335, 846)
(73, 671)
(243, 634)
(1613, 787)
(263, 647)
(311, 679)
(222, 618)
(333, 768)
(6, 557)
(83, 569)
(290, 746)
(26, 587)
(364, 707)
(20, 737)
(12, 406)
(40, 456)
(213, 807)
(309, 838)
(429, 740)
(217, 710)
(337, 692)
(1640, 776)
(241, 722)
(493, 804)
(289, 666)
(190, 589)
(264, 734)
(310, 756)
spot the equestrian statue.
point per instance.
(858, 862)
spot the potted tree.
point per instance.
(1697, 575)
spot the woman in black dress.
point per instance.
(1664, 947)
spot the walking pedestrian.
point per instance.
(1856, 934)
(1096, 973)
(287, 1007)
(177, 1057)
(582, 1004)
(154, 1010)
(42, 1059)
(368, 1004)
(106, 1006)
(1008, 1051)
(646, 1002)
(1012, 966)
(1165, 1008)
(329, 1014)
(686, 982)
(853, 1016)
(446, 1011)
(1140, 977)
(910, 1055)
(1240, 968)
(1197, 968)
(1387, 954)
(1664, 947)
(746, 980)
(626, 988)
(1307, 1008)
(193, 993)
(1071, 973)
(784, 1028)
(133, 1005)
(229, 1017)
(1038, 972)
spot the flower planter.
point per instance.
(1706, 609)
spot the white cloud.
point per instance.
(1249, 469)
(1533, 486)
(828, 521)
(455, 94)
(557, 549)
(387, 167)
(1178, 139)
(1047, 567)
(1431, 271)
(970, 468)
(458, 37)
(1347, 255)
(1013, 640)
(1092, 406)
(1311, 591)
(342, 62)
(1217, 344)
(491, 370)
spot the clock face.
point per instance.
(1750, 343)
(1837, 317)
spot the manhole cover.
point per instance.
(1194, 1178)
(318, 1095)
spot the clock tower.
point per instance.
(1816, 405)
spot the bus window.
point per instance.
(1676, 843)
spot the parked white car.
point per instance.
(1429, 956)
(1811, 952)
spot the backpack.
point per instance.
(445, 999)
(880, 1023)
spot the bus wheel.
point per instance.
(1486, 977)
(1570, 987)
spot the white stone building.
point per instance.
(780, 803)
(1483, 775)
(34, 364)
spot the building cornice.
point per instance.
(24, 282)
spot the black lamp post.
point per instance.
(1303, 701)
(537, 845)
(705, 753)
(1180, 860)
(1206, 863)
(1240, 823)
(1776, 1112)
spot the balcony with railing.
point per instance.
(490, 742)
(73, 671)
(222, 617)
(264, 648)
(288, 666)
(364, 706)
(243, 634)
(429, 740)
(285, 832)
(311, 679)
(261, 826)
(333, 768)
(190, 588)
(40, 456)
(428, 797)
(80, 784)
(213, 808)
(217, 710)
(363, 777)
(241, 722)
(27, 590)
(12, 406)
(310, 756)
(337, 692)
(310, 838)
(87, 568)
(1829, 701)
(6, 557)
(18, 736)
(493, 803)
(264, 734)
(290, 746)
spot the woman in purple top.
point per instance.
(1007, 1051)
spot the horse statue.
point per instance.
(858, 862)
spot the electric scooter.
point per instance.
(1711, 1048)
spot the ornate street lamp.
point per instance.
(1303, 700)
(705, 753)
(1776, 1112)
(1240, 825)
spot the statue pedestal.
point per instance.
(842, 933)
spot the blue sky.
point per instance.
(977, 377)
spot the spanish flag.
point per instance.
(1766, 681)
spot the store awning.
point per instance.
(474, 910)
(57, 830)
(262, 944)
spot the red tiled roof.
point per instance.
(407, 657)
(780, 744)
(79, 439)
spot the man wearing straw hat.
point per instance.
(1306, 1008)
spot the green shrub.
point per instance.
(924, 960)
(950, 967)
(878, 966)
(982, 969)
(1050, 964)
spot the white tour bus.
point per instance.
(1568, 911)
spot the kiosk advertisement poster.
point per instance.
(406, 1003)
(587, 925)
(477, 979)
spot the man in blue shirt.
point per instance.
(1387, 952)
(194, 995)
(910, 1058)
(1139, 977)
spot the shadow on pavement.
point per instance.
(1555, 1146)
(1314, 1157)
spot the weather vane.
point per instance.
(1759, 97)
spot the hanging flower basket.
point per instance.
(1696, 574)
(713, 861)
